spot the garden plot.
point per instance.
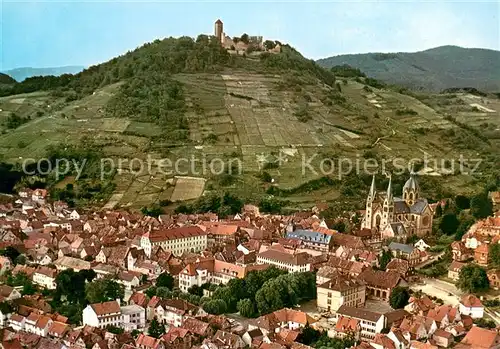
(247, 85)
(113, 201)
(187, 188)
(375, 100)
(18, 100)
(146, 129)
(131, 195)
(115, 125)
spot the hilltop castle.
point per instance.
(398, 217)
(243, 44)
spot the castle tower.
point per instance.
(411, 190)
(368, 221)
(388, 207)
(219, 30)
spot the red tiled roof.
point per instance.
(480, 338)
(442, 333)
(347, 324)
(106, 308)
(471, 301)
(288, 258)
(382, 279)
(144, 341)
(174, 233)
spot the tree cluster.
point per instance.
(223, 205)
(399, 297)
(21, 279)
(320, 339)
(261, 292)
(74, 290)
(347, 71)
(473, 278)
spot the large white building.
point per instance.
(293, 263)
(472, 306)
(45, 277)
(133, 317)
(370, 323)
(110, 313)
(338, 291)
(174, 311)
(175, 240)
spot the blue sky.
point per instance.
(57, 33)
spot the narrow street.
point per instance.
(431, 260)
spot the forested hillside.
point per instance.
(431, 70)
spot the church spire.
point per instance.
(389, 189)
(373, 190)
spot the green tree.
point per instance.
(21, 259)
(246, 308)
(245, 38)
(70, 285)
(481, 206)
(224, 293)
(384, 259)
(150, 292)
(215, 306)
(449, 223)
(462, 202)
(114, 329)
(103, 290)
(399, 297)
(266, 177)
(494, 255)
(88, 274)
(308, 335)
(156, 329)
(10, 252)
(6, 308)
(165, 280)
(135, 333)
(473, 278)
(269, 44)
(466, 221)
(28, 289)
(163, 292)
(196, 290)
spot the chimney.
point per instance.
(118, 301)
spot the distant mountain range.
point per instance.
(19, 74)
(433, 70)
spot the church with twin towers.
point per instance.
(398, 217)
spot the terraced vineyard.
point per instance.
(270, 122)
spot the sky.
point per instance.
(54, 33)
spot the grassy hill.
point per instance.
(183, 98)
(432, 70)
(19, 74)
